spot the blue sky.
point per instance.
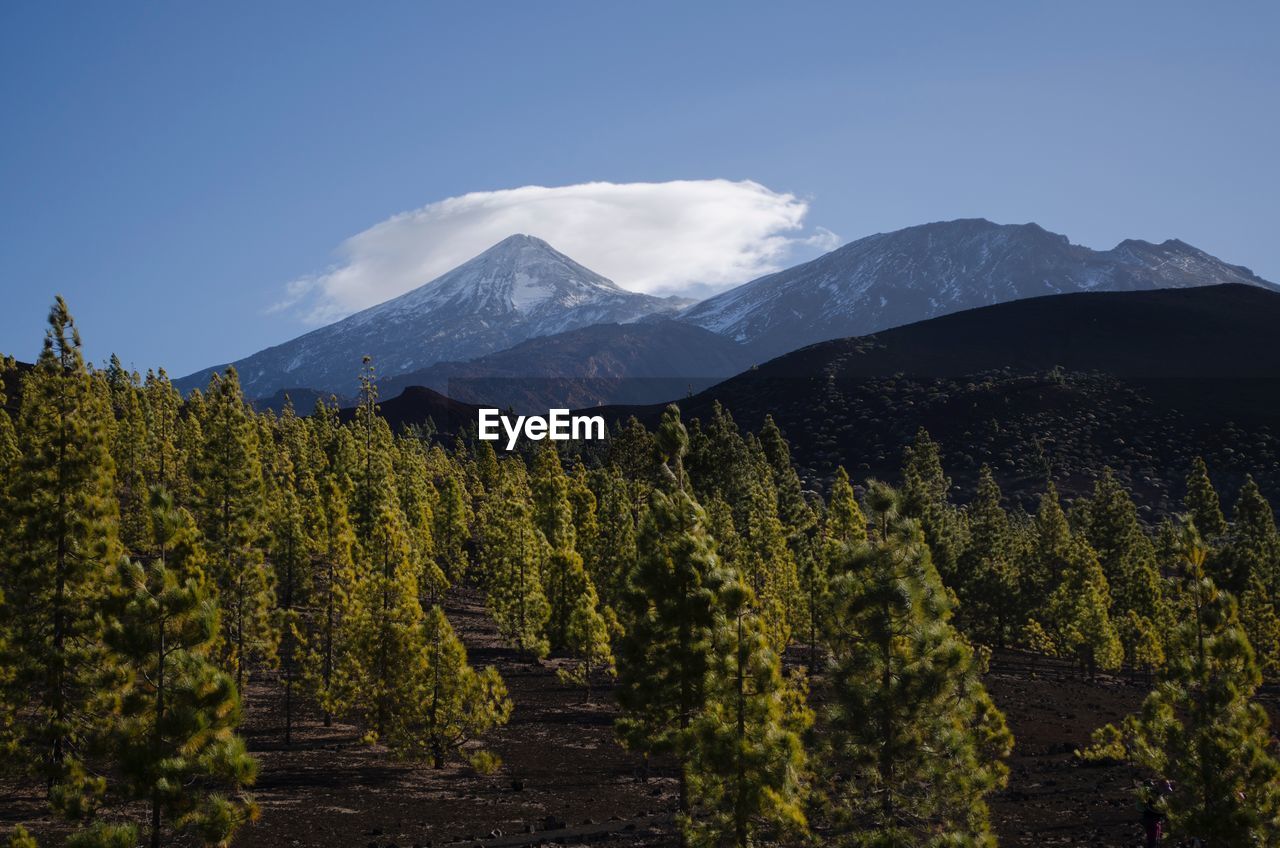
(171, 167)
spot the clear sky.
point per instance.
(171, 167)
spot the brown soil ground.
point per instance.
(565, 779)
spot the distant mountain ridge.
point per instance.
(642, 362)
(522, 289)
(518, 289)
(892, 279)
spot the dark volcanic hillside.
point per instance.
(418, 406)
(1055, 386)
(892, 279)
(644, 362)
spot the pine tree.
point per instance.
(487, 468)
(1202, 503)
(290, 559)
(162, 406)
(1050, 548)
(1127, 558)
(1036, 639)
(767, 564)
(453, 703)
(671, 607)
(616, 545)
(369, 464)
(911, 726)
(128, 447)
(925, 496)
(229, 490)
(1141, 641)
(989, 593)
(634, 451)
(844, 528)
(173, 737)
(553, 516)
(720, 465)
(337, 598)
(1254, 545)
(60, 539)
(8, 437)
(378, 673)
(452, 531)
(845, 525)
(1202, 729)
(794, 513)
(1262, 626)
(9, 457)
(575, 624)
(587, 635)
(586, 525)
(1078, 612)
(416, 501)
(746, 759)
(511, 556)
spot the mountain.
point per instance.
(1056, 386)
(891, 279)
(642, 362)
(518, 289)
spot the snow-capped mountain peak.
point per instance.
(520, 274)
(891, 279)
(518, 289)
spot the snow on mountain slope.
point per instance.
(891, 279)
(518, 289)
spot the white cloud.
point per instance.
(663, 238)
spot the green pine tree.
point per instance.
(616, 542)
(1078, 613)
(1127, 557)
(416, 501)
(1254, 545)
(1050, 547)
(164, 462)
(452, 530)
(59, 542)
(173, 738)
(1262, 626)
(128, 450)
(368, 460)
(8, 437)
(452, 702)
(512, 554)
(587, 635)
(916, 743)
(1202, 728)
(989, 601)
(747, 765)
(291, 550)
(1202, 504)
(793, 511)
(925, 496)
(229, 508)
(329, 626)
(378, 672)
(767, 562)
(586, 524)
(671, 609)
(845, 525)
